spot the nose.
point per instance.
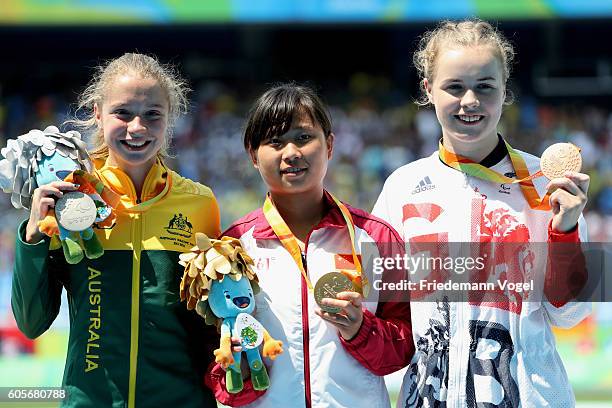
(470, 100)
(291, 152)
(136, 126)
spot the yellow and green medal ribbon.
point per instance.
(523, 178)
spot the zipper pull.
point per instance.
(304, 261)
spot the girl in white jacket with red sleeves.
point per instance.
(473, 353)
(301, 234)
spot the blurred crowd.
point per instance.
(378, 128)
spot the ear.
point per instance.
(427, 88)
(98, 114)
(253, 155)
(330, 145)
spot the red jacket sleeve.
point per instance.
(566, 273)
(384, 342)
(215, 380)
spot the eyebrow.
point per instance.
(487, 78)
(123, 104)
(294, 131)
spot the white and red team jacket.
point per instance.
(470, 355)
(316, 368)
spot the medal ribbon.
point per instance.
(523, 178)
(138, 208)
(290, 243)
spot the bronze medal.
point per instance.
(328, 286)
(559, 158)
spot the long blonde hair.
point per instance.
(142, 66)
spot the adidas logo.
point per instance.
(424, 185)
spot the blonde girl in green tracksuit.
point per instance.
(132, 343)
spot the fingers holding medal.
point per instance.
(568, 188)
(340, 304)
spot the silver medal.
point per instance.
(75, 211)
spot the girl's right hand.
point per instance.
(43, 200)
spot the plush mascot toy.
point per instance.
(220, 284)
(41, 157)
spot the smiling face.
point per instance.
(296, 162)
(468, 92)
(134, 119)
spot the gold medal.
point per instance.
(559, 158)
(328, 286)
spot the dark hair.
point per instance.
(273, 112)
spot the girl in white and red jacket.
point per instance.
(330, 359)
(500, 352)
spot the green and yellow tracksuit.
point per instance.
(132, 342)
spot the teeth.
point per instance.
(133, 143)
(470, 118)
(292, 170)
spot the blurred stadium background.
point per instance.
(358, 54)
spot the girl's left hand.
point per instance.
(349, 319)
(568, 199)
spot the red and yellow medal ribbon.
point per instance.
(288, 240)
(523, 178)
(94, 185)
